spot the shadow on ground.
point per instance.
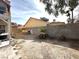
(70, 43)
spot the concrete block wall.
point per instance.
(68, 30)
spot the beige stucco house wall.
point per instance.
(33, 25)
(5, 17)
(33, 22)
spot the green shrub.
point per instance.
(42, 30)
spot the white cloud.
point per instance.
(43, 13)
(38, 11)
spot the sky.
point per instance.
(22, 10)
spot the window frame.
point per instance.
(2, 10)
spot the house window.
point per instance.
(2, 10)
(2, 29)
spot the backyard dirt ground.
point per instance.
(32, 48)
